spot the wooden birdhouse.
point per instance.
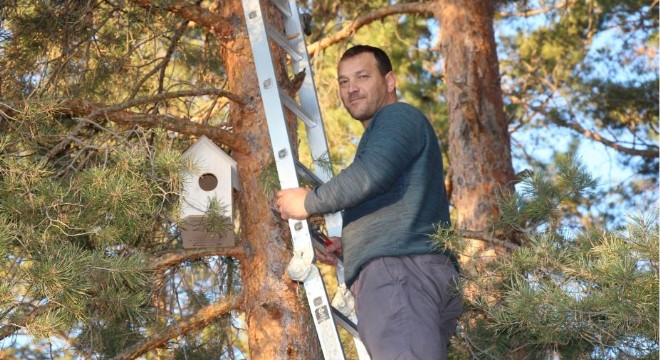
(207, 197)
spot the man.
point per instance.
(392, 195)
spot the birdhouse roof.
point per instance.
(204, 147)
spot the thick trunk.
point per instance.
(277, 320)
(479, 143)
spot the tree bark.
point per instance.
(278, 322)
(479, 142)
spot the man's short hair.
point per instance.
(382, 60)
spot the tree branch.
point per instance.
(484, 236)
(420, 8)
(162, 65)
(172, 258)
(24, 319)
(650, 153)
(117, 114)
(221, 26)
(533, 12)
(597, 137)
(180, 125)
(194, 322)
(361, 21)
(241, 100)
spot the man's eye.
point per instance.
(363, 77)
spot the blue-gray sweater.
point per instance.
(393, 192)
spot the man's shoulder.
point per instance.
(400, 106)
(401, 111)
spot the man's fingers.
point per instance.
(333, 245)
(325, 258)
(281, 206)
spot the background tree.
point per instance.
(99, 98)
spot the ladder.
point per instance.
(301, 268)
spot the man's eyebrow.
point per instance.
(359, 72)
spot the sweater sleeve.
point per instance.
(394, 138)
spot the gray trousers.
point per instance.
(407, 306)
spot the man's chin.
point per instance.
(356, 114)
(361, 116)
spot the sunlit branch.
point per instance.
(24, 318)
(194, 322)
(420, 8)
(539, 11)
(177, 94)
(117, 113)
(364, 20)
(162, 65)
(173, 258)
(220, 25)
(651, 152)
(484, 236)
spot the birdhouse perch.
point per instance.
(209, 184)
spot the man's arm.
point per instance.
(396, 139)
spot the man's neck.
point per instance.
(365, 123)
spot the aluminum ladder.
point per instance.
(307, 109)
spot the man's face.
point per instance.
(362, 88)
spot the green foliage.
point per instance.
(543, 198)
(592, 294)
(85, 206)
(591, 67)
(596, 292)
(75, 227)
(217, 222)
(448, 238)
(269, 180)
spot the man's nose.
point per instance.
(351, 87)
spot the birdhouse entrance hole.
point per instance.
(208, 182)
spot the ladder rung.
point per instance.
(319, 243)
(284, 42)
(343, 321)
(307, 174)
(296, 109)
(283, 7)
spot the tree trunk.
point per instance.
(479, 143)
(278, 322)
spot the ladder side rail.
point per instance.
(307, 96)
(318, 145)
(316, 137)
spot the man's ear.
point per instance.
(390, 80)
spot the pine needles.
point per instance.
(574, 293)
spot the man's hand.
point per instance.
(333, 249)
(291, 203)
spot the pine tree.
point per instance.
(99, 99)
